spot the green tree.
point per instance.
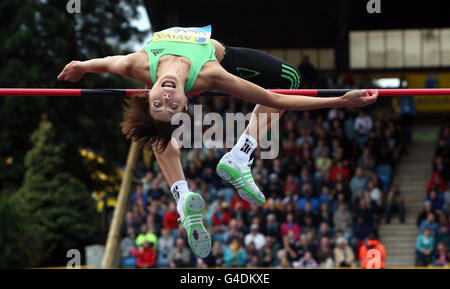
(56, 210)
(8, 231)
(38, 39)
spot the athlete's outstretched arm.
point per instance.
(236, 86)
(126, 65)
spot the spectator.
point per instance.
(324, 253)
(366, 162)
(147, 182)
(361, 229)
(268, 254)
(222, 216)
(325, 215)
(424, 247)
(139, 197)
(290, 225)
(272, 227)
(156, 192)
(290, 185)
(152, 225)
(376, 195)
(308, 72)
(145, 255)
(431, 224)
(395, 203)
(274, 187)
(436, 182)
(129, 224)
(180, 256)
(137, 214)
(441, 256)
(253, 262)
(309, 224)
(339, 169)
(358, 185)
(424, 213)
(325, 196)
(364, 211)
(282, 260)
(442, 167)
(343, 254)
(306, 179)
(238, 212)
(127, 245)
(252, 252)
(165, 246)
(170, 219)
(363, 123)
(342, 215)
(216, 258)
(444, 236)
(235, 255)
(323, 163)
(255, 237)
(437, 204)
(308, 198)
(307, 261)
(147, 236)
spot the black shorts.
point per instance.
(260, 68)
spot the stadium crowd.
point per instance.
(325, 193)
(433, 241)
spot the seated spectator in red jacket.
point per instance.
(436, 181)
(222, 216)
(145, 255)
(341, 169)
(171, 217)
(290, 185)
(289, 225)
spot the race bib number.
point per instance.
(196, 35)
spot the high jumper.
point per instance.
(179, 61)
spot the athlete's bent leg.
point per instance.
(190, 205)
(266, 71)
(235, 166)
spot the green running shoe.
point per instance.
(190, 207)
(240, 176)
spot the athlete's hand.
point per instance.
(72, 72)
(360, 98)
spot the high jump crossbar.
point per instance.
(74, 92)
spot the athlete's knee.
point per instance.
(291, 76)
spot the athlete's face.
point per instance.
(167, 98)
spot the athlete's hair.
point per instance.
(141, 127)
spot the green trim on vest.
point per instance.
(198, 55)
